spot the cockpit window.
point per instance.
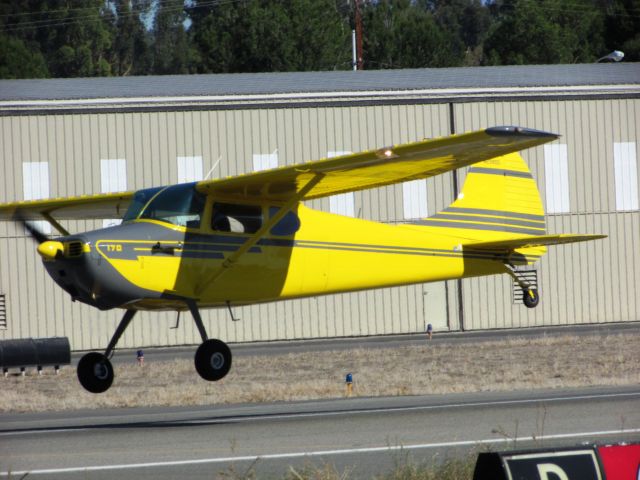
(228, 217)
(140, 199)
(178, 204)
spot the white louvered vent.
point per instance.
(530, 277)
(3, 311)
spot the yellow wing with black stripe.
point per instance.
(377, 168)
(104, 205)
(330, 176)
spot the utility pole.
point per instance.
(358, 46)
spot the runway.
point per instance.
(367, 435)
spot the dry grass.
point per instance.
(550, 362)
(449, 469)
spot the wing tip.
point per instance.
(512, 131)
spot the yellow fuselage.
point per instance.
(328, 254)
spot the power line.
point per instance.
(174, 6)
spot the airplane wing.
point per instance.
(330, 176)
(533, 241)
(377, 168)
(105, 205)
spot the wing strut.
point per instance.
(232, 259)
(55, 224)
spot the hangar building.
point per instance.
(66, 137)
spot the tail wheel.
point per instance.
(531, 298)
(213, 360)
(95, 372)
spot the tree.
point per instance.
(19, 61)
(469, 21)
(172, 51)
(129, 52)
(545, 31)
(72, 36)
(622, 28)
(403, 34)
(270, 35)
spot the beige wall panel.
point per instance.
(150, 142)
(585, 283)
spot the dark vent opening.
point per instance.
(74, 249)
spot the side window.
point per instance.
(228, 217)
(288, 225)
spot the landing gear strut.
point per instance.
(212, 359)
(530, 296)
(95, 371)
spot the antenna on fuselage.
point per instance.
(213, 168)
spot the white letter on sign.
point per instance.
(544, 469)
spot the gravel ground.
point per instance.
(511, 364)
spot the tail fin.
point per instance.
(499, 201)
(499, 197)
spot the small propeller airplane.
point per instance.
(250, 239)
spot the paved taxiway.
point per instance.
(370, 434)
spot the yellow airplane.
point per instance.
(249, 239)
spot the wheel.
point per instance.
(95, 372)
(530, 298)
(213, 360)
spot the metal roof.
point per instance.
(287, 83)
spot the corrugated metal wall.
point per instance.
(584, 283)
(593, 282)
(74, 145)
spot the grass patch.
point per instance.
(431, 368)
(449, 469)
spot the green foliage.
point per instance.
(129, 53)
(18, 61)
(270, 35)
(403, 34)
(622, 27)
(171, 49)
(72, 38)
(545, 31)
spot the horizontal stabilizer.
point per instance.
(535, 241)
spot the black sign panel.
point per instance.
(558, 465)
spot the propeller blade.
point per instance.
(36, 234)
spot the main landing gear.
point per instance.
(212, 359)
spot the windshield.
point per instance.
(178, 204)
(140, 199)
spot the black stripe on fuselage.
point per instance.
(212, 246)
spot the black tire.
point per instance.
(530, 298)
(213, 360)
(95, 372)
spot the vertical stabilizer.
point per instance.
(499, 201)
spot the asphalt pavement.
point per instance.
(365, 435)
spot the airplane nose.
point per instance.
(50, 250)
